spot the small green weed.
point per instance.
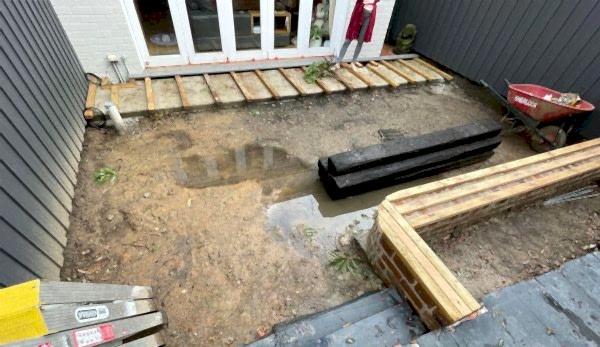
(344, 262)
(105, 175)
(318, 70)
(309, 232)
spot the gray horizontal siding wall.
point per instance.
(42, 93)
(552, 43)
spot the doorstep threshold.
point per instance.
(197, 69)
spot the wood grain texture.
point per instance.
(398, 71)
(149, 93)
(445, 75)
(185, 102)
(267, 84)
(90, 100)
(241, 86)
(212, 89)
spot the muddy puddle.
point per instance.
(299, 212)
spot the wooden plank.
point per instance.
(228, 90)
(254, 86)
(491, 182)
(424, 272)
(197, 90)
(374, 70)
(475, 175)
(114, 95)
(267, 84)
(398, 71)
(284, 88)
(240, 85)
(359, 75)
(90, 101)
(442, 269)
(129, 84)
(445, 75)
(321, 84)
(428, 76)
(149, 94)
(512, 192)
(212, 89)
(71, 292)
(293, 82)
(182, 94)
(349, 80)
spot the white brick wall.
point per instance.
(373, 48)
(97, 28)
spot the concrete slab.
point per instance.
(297, 75)
(132, 101)
(254, 86)
(413, 75)
(226, 89)
(373, 78)
(385, 73)
(281, 85)
(102, 96)
(423, 70)
(197, 92)
(349, 79)
(166, 95)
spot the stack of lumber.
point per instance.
(402, 160)
(406, 220)
(405, 261)
(38, 313)
(436, 208)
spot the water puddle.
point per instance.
(250, 162)
(300, 213)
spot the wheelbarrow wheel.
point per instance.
(556, 138)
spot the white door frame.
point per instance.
(229, 52)
(140, 40)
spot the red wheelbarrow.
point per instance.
(536, 108)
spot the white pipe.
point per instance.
(115, 116)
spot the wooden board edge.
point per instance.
(444, 75)
(389, 81)
(359, 75)
(399, 72)
(295, 84)
(267, 84)
(211, 88)
(420, 72)
(149, 94)
(185, 102)
(238, 82)
(90, 100)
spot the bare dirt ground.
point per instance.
(216, 210)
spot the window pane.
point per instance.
(157, 26)
(204, 23)
(246, 22)
(322, 21)
(286, 23)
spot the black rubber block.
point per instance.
(402, 149)
(403, 171)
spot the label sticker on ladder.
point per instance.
(91, 313)
(94, 336)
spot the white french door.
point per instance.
(178, 32)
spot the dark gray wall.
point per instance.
(552, 43)
(42, 93)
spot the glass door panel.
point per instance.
(205, 30)
(157, 27)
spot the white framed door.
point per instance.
(171, 32)
(328, 18)
(159, 44)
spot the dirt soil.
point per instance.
(195, 211)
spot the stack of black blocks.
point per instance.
(394, 162)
